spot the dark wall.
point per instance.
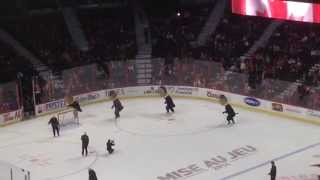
(158, 7)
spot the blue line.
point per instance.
(266, 163)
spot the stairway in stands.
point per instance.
(290, 91)
(75, 29)
(143, 62)
(26, 81)
(44, 71)
(212, 22)
(262, 42)
(264, 38)
(12, 42)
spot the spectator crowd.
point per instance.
(290, 55)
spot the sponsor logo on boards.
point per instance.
(12, 116)
(87, 97)
(292, 110)
(313, 113)
(277, 107)
(184, 90)
(152, 90)
(213, 95)
(252, 101)
(54, 105)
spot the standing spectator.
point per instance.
(273, 171)
(303, 92)
(243, 66)
(92, 175)
(85, 143)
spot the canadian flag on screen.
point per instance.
(279, 9)
(258, 8)
(300, 11)
(289, 10)
(316, 13)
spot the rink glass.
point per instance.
(205, 74)
(9, 97)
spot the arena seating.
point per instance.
(44, 35)
(47, 37)
(110, 34)
(173, 32)
(290, 55)
(12, 65)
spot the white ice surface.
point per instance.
(151, 143)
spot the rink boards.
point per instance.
(11, 117)
(249, 103)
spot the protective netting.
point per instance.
(9, 99)
(212, 75)
(84, 79)
(67, 117)
(206, 74)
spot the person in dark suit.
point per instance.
(85, 143)
(116, 104)
(75, 105)
(92, 175)
(55, 125)
(273, 171)
(76, 108)
(229, 110)
(109, 144)
(117, 107)
(170, 104)
(168, 100)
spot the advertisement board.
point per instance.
(277, 107)
(82, 99)
(313, 114)
(150, 90)
(252, 101)
(213, 94)
(11, 117)
(185, 91)
(50, 106)
(294, 110)
(119, 91)
(88, 97)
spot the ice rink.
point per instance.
(194, 143)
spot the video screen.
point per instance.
(287, 10)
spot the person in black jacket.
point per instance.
(75, 105)
(110, 143)
(229, 110)
(117, 107)
(92, 175)
(170, 104)
(273, 171)
(76, 108)
(168, 100)
(85, 143)
(55, 125)
(116, 104)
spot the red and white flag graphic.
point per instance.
(287, 10)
